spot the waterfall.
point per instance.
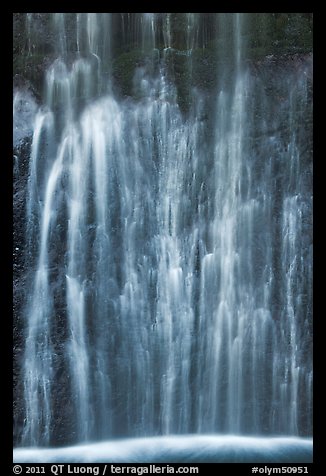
(168, 246)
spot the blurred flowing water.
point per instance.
(169, 256)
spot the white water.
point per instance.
(177, 449)
(155, 252)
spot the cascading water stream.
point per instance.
(169, 277)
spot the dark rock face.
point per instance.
(24, 110)
(21, 160)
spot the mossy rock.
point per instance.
(262, 34)
(123, 70)
(279, 33)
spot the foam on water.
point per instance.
(177, 449)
